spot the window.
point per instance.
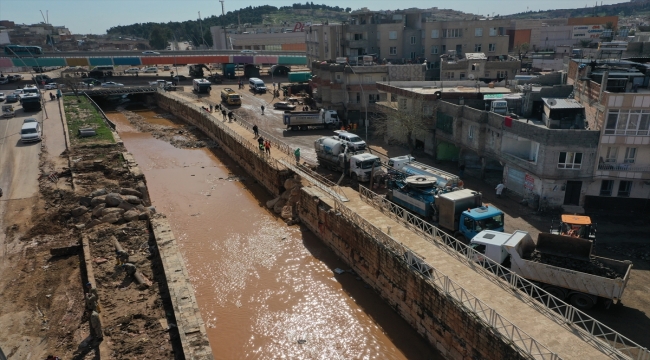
(475, 67)
(630, 155)
(358, 36)
(624, 188)
(427, 110)
(443, 48)
(434, 49)
(611, 154)
(412, 54)
(412, 40)
(435, 34)
(452, 33)
(478, 32)
(393, 50)
(502, 74)
(487, 74)
(492, 47)
(470, 132)
(392, 35)
(628, 122)
(401, 104)
(477, 47)
(569, 160)
(449, 74)
(462, 76)
(493, 31)
(606, 187)
(373, 98)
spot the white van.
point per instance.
(257, 85)
(354, 142)
(31, 131)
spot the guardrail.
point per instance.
(524, 343)
(623, 167)
(318, 181)
(106, 120)
(597, 334)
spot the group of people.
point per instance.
(264, 145)
(212, 108)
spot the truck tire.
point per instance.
(556, 291)
(304, 127)
(582, 301)
(294, 128)
(460, 237)
(354, 181)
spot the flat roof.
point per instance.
(475, 56)
(562, 103)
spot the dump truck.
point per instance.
(333, 154)
(201, 86)
(230, 97)
(408, 165)
(562, 265)
(299, 77)
(304, 120)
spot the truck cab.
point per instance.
(361, 166)
(463, 212)
(499, 107)
(473, 221)
(491, 244)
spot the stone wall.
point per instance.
(456, 333)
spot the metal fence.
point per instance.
(274, 141)
(596, 333)
(106, 119)
(316, 179)
(524, 343)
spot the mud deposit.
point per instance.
(265, 290)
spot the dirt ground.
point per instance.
(42, 300)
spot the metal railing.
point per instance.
(101, 112)
(524, 343)
(316, 179)
(274, 141)
(623, 167)
(594, 332)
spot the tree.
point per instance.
(158, 37)
(522, 50)
(72, 83)
(585, 43)
(406, 122)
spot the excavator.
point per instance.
(579, 226)
(196, 71)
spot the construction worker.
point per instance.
(129, 268)
(96, 326)
(92, 298)
(296, 153)
(121, 257)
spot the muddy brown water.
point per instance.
(265, 290)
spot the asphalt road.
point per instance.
(126, 53)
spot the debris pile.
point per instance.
(118, 207)
(285, 204)
(591, 266)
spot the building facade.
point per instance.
(617, 99)
(266, 38)
(476, 66)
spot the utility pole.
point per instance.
(223, 26)
(201, 27)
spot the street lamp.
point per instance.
(363, 97)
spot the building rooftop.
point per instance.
(562, 103)
(431, 87)
(475, 56)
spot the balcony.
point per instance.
(623, 167)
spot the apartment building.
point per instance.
(616, 96)
(547, 158)
(476, 66)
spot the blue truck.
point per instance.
(460, 211)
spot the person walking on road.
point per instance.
(296, 153)
(210, 107)
(267, 146)
(262, 109)
(230, 116)
(255, 131)
(499, 189)
(223, 112)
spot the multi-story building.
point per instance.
(548, 158)
(616, 96)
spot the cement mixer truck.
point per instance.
(334, 154)
(407, 164)
(562, 265)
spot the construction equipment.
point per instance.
(334, 154)
(201, 86)
(579, 226)
(305, 120)
(196, 71)
(408, 165)
(562, 265)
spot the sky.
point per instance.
(96, 16)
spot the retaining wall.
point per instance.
(456, 333)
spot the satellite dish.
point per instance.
(552, 102)
(471, 76)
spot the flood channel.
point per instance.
(265, 290)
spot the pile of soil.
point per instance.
(181, 135)
(591, 266)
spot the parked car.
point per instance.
(2, 97)
(30, 131)
(12, 98)
(283, 105)
(4, 80)
(179, 78)
(19, 92)
(51, 86)
(132, 71)
(91, 81)
(249, 52)
(166, 68)
(29, 120)
(149, 52)
(112, 84)
(150, 70)
(14, 78)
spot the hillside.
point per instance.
(159, 33)
(630, 8)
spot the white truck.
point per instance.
(304, 120)
(499, 106)
(334, 154)
(562, 265)
(409, 166)
(161, 83)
